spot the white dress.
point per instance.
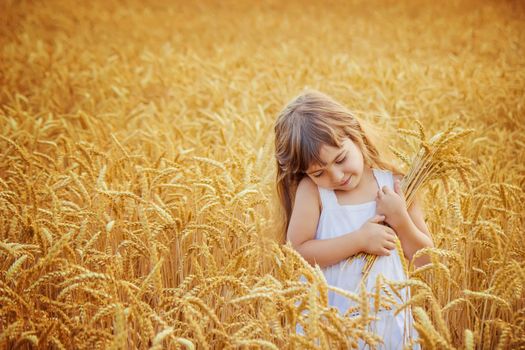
(336, 220)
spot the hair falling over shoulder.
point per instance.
(307, 122)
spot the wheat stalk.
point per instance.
(436, 159)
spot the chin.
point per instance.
(346, 187)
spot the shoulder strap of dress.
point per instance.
(384, 178)
(328, 198)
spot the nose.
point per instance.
(337, 175)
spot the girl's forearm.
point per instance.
(326, 252)
(412, 239)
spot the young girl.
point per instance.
(336, 191)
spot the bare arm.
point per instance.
(303, 225)
(413, 232)
(417, 234)
(326, 252)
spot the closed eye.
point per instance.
(337, 162)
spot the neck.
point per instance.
(367, 175)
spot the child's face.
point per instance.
(344, 167)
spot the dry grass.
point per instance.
(136, 170)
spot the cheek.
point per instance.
(355, 165)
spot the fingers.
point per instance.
(390, 230)
(377, 219)
(387, 248)
(386, 190)
(390, 234)
(390, 246)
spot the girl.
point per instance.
(336, 191)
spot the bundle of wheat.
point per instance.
(436, 159)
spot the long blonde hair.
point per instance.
(307, 122)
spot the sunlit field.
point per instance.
(137, 175)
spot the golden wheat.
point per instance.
(136, 174)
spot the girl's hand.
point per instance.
(392, 204)
(377, 239)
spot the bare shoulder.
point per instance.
(305, 213)
(308, 189)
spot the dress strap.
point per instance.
(328, 198)
(384, 178)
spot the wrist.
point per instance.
(359, 239)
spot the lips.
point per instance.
(346, 182)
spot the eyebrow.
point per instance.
(317, 170)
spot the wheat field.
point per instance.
(137, 201)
